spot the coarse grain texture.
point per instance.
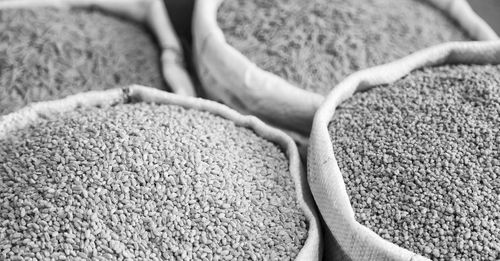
(47, 54)
(421, 160)
(315, 44)
(119, 183)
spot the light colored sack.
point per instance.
(228, 76)
(351, 240)
(36, 112)
(152, 13)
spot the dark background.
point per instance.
(489, 10)
(180, 12)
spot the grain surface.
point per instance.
(47, 54)
(421, 160)
(146, 182)
(316, 44)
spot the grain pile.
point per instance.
(47, 54)
(315, 44)
(116, 183)
(421, 161)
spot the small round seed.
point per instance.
(316, 44)
(124, 184)
(421, 160)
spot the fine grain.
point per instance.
(421, 160)
(315, 44)
(118, 183)
(47, 54)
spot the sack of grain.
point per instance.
(281, 57)
(51, 49)
(140, 173)
(404, 158)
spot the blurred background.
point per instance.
(180, 12)
(489, 10)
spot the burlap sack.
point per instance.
(312, 249)
(231, 78)
(351, 240)
(153, 13)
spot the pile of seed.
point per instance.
(118, 183)
(315, 44)
(421, 160)
(48, 54)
